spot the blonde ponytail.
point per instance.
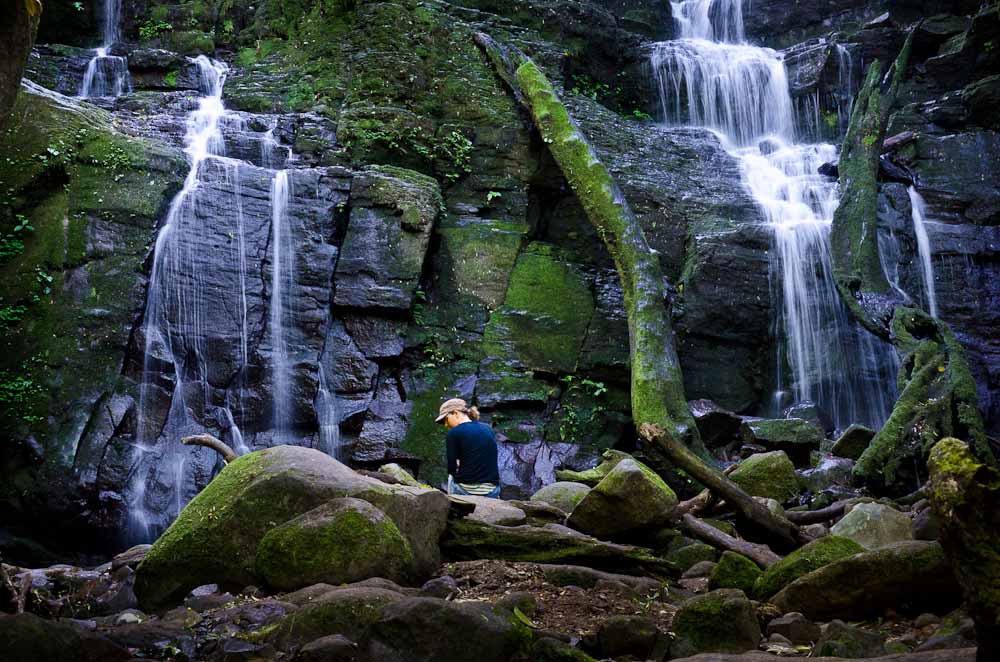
(473, 413)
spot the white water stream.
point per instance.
(711, 78)
(919, 210)
(107, 75)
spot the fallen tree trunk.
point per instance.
(468, 540)
(759, 554)
(208, 441)
(778, 529)
(817, 516)
(657, 391)
(857, 267)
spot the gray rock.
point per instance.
(439, 587)
(564, 495)
(829, 472)
(717, 426)
(795, 436)
(842, 640)
(853, 442)
(627, 635)
(796, 628)
(874, 525)
(494, 511)
(699, 569)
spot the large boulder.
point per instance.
(796, 436)
(629, 497)
(802, 561)
(720, 621)
(26, 637)
(216, 537)
(909, 576)
(348, 611)
(770, 475)
(562, 494)
(874, 525)
(341, 541)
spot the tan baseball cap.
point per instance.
(450, 407)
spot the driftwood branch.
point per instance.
(817, 516)
(694, 505)
(777, 529)
(208, 441)
(759, 554)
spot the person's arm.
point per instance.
(451, 445)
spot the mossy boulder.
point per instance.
(874, 525)
(721, 621)
(348, 611)
(910, 577)
(796, 436)
(216, 537)
(28, 637)
(734, 571)
(848, 641)
(563, 494)
(770, 475)
(629, 497)
(685, 553)
(802, 561)
(341, 541)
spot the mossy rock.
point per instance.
(609, 460)
(349, 611)
(910, 577)
(802, 561)
(630, 497)
(545, 314)
(721, 621)
(874, 525)
(341, 541)
(734, 571)
(215, 539)
(686, 554)
(770, 475)
(562, 494)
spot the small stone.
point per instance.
(523, 601)
(439, 587)
(627, 635)
(700, 569)
(685, 556)
(734, 571)
(129, 617)
(769, 475)
(563, 494)
(794, 627)
(776, 638)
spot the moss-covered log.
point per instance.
(937, 399)
(966, 496)
(853, 237)
(657, 384)
(18, 23)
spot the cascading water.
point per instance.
(919, 210)
(741, 92)
(209, 330)
(282, 282)
(107, 75)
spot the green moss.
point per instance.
(721, 621)
(609, 460)
(685, 556)
(339, 542)
(657, 383)
(734, 571)
(802, 561)
(346, 611)
(545, 315)
(771, 475)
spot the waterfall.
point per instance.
(107, 75)
(919, 210)
(282, 282)
(741, 92)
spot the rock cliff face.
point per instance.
(438, 252)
